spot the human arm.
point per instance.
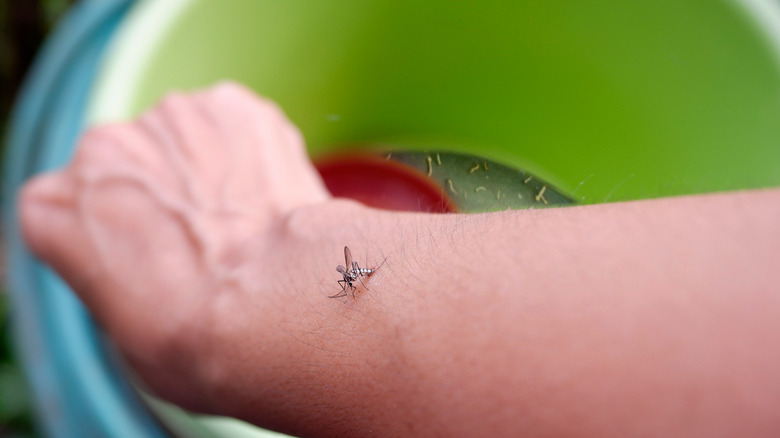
(654, 317)
(648, 317)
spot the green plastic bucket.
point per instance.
(607, 100)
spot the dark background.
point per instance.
(24, 25)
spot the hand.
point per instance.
(151, 218)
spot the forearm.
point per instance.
(653, 316)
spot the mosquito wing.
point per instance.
(348, 258)
(341, 269)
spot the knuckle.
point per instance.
(237, 94)
(101, 143)
(231, 89)
(172, 99)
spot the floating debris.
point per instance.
(452, 187)
(540, 196)
(461, 175)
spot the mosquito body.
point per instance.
(351, 274)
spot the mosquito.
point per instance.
(352, 274)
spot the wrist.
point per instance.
(303, 349)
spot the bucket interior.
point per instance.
(606, 100)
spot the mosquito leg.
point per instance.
(343, 292)
(339, 295)
(360, 277)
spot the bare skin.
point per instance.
(203, 241)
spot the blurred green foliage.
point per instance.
(23, 26)
(15, 404)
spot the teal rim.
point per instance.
(77, 382)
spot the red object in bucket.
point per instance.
(382, 183)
